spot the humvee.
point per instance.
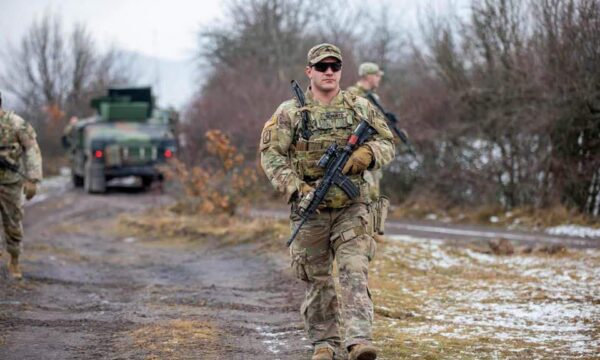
(126, 137)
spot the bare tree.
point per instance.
(503, 106)
(567, 38)
(54, 75)
(253, 56)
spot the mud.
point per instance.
(89, 293)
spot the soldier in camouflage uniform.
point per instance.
(339, 230)
(18, 146)
(370, 77)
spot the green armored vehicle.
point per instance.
(128, 136)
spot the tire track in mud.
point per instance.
(89, 294)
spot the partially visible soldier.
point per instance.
(370, 77)
(20, 174)
(339, 231)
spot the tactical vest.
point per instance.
(329, 124)
(10, 148)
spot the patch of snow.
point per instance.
(275, 340)
(549, 303)
(125, 181)
(431, 216)
(574, 231)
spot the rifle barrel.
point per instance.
(295, 233)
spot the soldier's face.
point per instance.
(326, 81)
(374, 80)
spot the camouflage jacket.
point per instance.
(358, 90)
(19, 146)
(288, 160)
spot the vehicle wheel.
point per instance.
(77, 180)
(146, 182)
(95, 180)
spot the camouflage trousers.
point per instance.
(339, 234)
(11, 210)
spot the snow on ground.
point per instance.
(51, 186)
(574, 230)
(544, 305)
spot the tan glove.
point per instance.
(29, 189)
(359, 161)
(305, 200)
(305, 189)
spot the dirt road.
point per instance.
(91, 294)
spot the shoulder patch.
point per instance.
(266, 138)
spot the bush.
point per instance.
(220, 185)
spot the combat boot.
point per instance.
(323, 353)
(14, 269)
(362, 352)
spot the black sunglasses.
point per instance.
(323, 66)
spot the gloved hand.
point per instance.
(29, 189)
(359, 161)
(305, 194)
(305, 189)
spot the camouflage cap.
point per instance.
(322, 51)
(369, 68)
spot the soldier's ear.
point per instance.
(308, 72)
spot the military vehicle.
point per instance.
(126, 137)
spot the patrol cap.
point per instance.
(322, 51)
(369, 68)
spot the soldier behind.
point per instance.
(340, 230)
(370, 77)
(21, 173)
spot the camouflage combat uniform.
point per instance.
(18, 145)
(373, 177)
(339, 230)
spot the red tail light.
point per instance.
(168, 154)
(98, 154)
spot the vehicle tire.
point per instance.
(147, 182)
(95, 180)
(77, 180)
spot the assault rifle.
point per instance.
(5, 164)
(333, 161)
(392, 121)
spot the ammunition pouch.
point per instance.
(379, 212)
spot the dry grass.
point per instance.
(176, 339)
(433, 301)
(163, 225)
(439, 302)
(522, 217)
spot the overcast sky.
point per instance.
(163, 29)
